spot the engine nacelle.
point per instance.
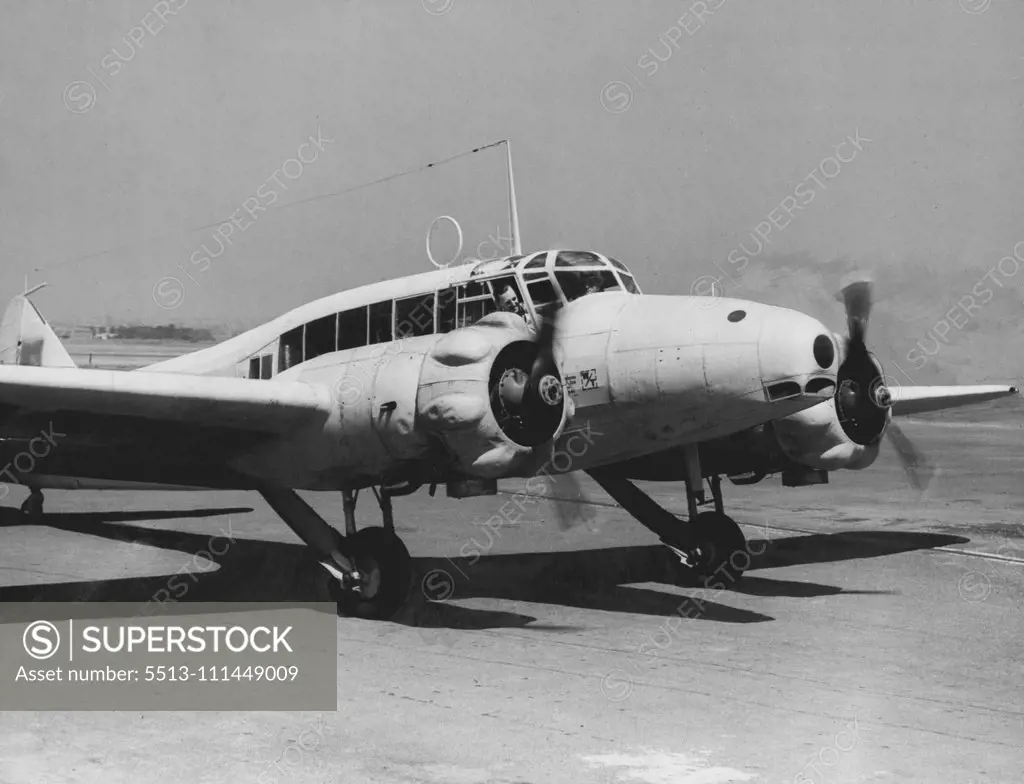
(816, 437)
(471, 386)
(846, 431)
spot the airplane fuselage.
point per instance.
(643, 373)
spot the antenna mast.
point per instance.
(513, 211)
(29, 291)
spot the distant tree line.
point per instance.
(162, 332)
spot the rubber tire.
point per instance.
(395, 564)
(720, 539)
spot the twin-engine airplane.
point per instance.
(463, 377)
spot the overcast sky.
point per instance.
(662, 140)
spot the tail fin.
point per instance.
(26, 338)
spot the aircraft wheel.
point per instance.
(719, 554)
(32, 507)
(311, 582)
(385, 569)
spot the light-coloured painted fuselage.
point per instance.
(644, 373)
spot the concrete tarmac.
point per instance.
(876, 638)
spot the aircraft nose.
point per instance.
(797, 356)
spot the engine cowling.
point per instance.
(480, 393)
(815, 437)
(846, 431)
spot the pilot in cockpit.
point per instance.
(579, 284)
(509, 302)
(592, 283)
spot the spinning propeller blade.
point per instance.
(858, 366)
(545, 340)
(919, 471)
(571, 505)
(856, 297)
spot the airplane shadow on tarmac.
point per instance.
(249, 570)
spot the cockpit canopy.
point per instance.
(555, 276)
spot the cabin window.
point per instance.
(474, 310)
(474, 288)
(291, 348)
(542, 294)
(261, 367)
(537, 261)
(475, 302)
(352, 328)
(618, 264)
(576, 258)
(414, 316)
(629, 283)
(578, 284)
(380, 322)
(446, 310)
(321, 337)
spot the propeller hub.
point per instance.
(880, 394)
(550, 390)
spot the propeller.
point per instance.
(545, 369)
(530, 388)
(565, 492)
(862, 398)
(530, 398)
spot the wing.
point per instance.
(151, 427)
(917, 400)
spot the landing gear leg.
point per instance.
(369, 572)
(32, 508)
(710, 545)
(349, 499)
(716, 493)
(384, 499)
(717, 552)
(694, 481)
